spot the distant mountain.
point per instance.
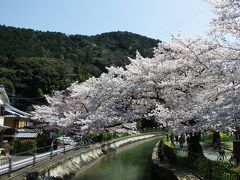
(33, 63)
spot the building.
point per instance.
(15, 118)
(3, 101)
(13, 122)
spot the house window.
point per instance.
(2, 110)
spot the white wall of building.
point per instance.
(1, 120)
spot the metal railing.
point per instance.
(200, 165)
(14, 162)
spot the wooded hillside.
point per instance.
(33, 63)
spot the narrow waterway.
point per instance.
(132, 162)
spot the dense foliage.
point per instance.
(33, 63)
(25, 146)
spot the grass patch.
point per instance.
(151, 130)
(207, 138)
(228, 145)
(167, 142)
(225, 137)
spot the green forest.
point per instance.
(34, 63)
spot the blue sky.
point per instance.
(152, 18)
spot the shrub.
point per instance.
(43, 141)
(90, 137)
(226, 137)
(124, 134)
(23, 146)
(107, 136)
(207, 138)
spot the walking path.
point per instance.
(212, 153)
(209, 151)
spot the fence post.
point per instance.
(51, 152)
(34, 157)
(10, 165)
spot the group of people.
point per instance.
(178, 139)
(188, 137)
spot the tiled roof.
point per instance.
(3, 96)
(11, 111)
(26, 135)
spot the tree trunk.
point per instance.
(236, 150)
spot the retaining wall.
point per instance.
(84, 158)
(66, 166)
(163, 170)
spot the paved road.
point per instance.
(22, 161)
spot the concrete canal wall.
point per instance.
(164, 170)
(75, 161)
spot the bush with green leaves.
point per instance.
(26, 146)
(207, 137)
(43, 143)
(107, 136)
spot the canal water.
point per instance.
(132, 162)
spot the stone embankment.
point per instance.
(67, 165)
(163, 170)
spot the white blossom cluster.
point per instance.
(226, 23)
(186, 79)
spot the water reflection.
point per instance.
(130, 163)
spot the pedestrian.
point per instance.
(188, 139)
(182, 140)
(176, 138)
(55, 144)
(172, 138)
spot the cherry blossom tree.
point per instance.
(225, 26)
(186, 79)
(226, 23)
(170, 86)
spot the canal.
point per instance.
(132, 162)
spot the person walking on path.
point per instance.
(172, 138)
(182, 140)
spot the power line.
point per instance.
(20, 104)
(28, 98)
(24, 98)
(183, 22)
